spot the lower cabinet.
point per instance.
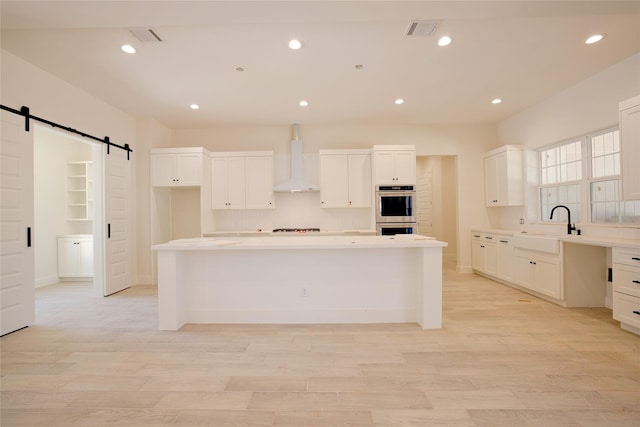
(75, 256)
(504, 268)
(538, 272)
(626, 288)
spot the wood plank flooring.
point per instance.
(503, 358)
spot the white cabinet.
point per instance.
(484, 255)
(626, 288)
(539, 272)
(345, 178)
(503, 177)
(75, 256)
(259, 182)
(630, 148)
(176, 167)
(79, 191)
(394, 164)
(504, 269)
(242, 180)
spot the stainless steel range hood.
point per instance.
(296, 183)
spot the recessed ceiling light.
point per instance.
(594, 38)
(399, 101)
(128, 48)
(359, 66)
(444, 41)
(194, 106)
(239, 69)
(295, 44)
(496, 101)
(303, 103)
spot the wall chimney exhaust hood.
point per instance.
(296, 183)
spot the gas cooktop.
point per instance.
(296, 230)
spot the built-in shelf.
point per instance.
(79, 191)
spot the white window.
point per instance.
(560, 177)
(590, 188)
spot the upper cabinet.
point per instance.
(345, 178)
(242, 180)
(176, 167)
(503, 177)
(394, 164)
(630, 148)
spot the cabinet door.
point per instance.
(67, 257)
(630, 152)
(259, 182)
(236, 183)
(334, 181)
(523, 273)
(163, 170)
(477, 255)
(505, 258)
(219, 183)
(547, 277)
(359, 181)
(189, 169)
(490, 258)
(491, 181)
(405, 167)
(384, 168)
(85, 257)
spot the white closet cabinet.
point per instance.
(630, 148)
(503, 177)
(242, 180)
(394, 164)
(75, 256)
(176, 167)
(345, 178)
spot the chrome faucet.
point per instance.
(569, 226)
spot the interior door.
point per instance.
(118, 262)
(17, 288)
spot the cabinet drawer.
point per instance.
(626, 279)
(626, 309)
(626, 256)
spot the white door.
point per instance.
(117, 267)
(359, 181)
(17, 289)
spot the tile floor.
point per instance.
(503, 358)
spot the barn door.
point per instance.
(17, 288)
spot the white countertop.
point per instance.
(268, 233)
(605, 241)
(301, 242)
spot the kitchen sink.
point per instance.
(537, 242)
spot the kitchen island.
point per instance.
(300, 279)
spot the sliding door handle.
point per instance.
(108, 231)
(28, 237)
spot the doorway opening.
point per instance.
(68, 202)
(437, 208)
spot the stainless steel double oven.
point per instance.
(395, 209)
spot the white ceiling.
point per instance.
(520, 51)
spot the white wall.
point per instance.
(585, 107)
(53, 99)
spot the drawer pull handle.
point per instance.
(476, 235)
(504, 241)
(635, 258)
(636, 312)
(636, 281)
(488, 237)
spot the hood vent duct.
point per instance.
(296, 183)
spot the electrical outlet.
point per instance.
(521, 220)
(305, 292)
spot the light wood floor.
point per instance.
(503, 358)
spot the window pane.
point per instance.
(568, 195)
(606, 206)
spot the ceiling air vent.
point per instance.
(146, 34)
(422, 28)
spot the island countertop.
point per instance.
(300, 242)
